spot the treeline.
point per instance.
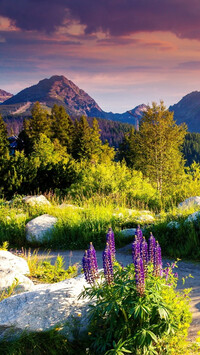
(69, 158)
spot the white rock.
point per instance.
(189, 202)
(45, 308)
(36, 200)
(7, 277)
(145, 218)
(128, 232)
(173, 224)
(40, 228)
(9, 261)
(193, 217)
(13, 267)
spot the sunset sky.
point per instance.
(121, 52)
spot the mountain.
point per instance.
(4, 95)
(188, 110)
(61, 91)
(56, 90)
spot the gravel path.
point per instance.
(123, 256)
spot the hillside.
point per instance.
(188, 110)
(4, 96)
(61, 91)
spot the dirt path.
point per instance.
(123, 256)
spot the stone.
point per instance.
(193, 217)
(173, 224)
(147, 218)
(128, 232)
(40, 228)
(189, 202)
(45, 307)
(13, 268)
(36, 200)
(9, 261)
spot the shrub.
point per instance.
(136, 309)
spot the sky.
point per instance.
(121, 52)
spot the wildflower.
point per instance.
(152, 243)
(157, 264)
(93, 266)
(111, 242)
(108, 264)
(144, 254)
(90, 266)
(135, 249)
(139, 233)
(139, 276)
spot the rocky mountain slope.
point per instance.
(188, 110)
(4, 96)
(61, 91)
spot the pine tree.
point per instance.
(157, 147)
(62, 127)
(3, 138)
(38, 123)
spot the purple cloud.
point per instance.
(116, 17)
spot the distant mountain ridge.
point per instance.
(188, 110)
(4, 95)
(61, 91)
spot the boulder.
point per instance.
(193, 217)
(45, 307)
(147, 218)
(36, 200)
(13, 268)
(9, 261)
(40, 228)
(173, 224)
(189, 202)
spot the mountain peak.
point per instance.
(4, 95)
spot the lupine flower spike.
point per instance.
(135, 249)
(93, 262)
(139, 233)
(152, 244)
(144, 255)
(108, 264)
(157, 265)
(111, 242)
(90, 266)
(139, 276)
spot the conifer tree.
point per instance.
(38, 123)
(62, 127)
(3, 138)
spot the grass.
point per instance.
(75, 227)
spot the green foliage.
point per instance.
(3, 139)
(191, 148)
(10, 291)
(150, 324)
(157, 147)
(38, 123)
(41, 270)
(62, 127)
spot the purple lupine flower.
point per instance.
(111, 242)
(86, 267)
(157, 264)
(166, 273)
(139, 233)
(92, 262)
(139, 276)
(152, 244)
(144, 254)
(108, 264)
(90, 266)
(135, 249)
